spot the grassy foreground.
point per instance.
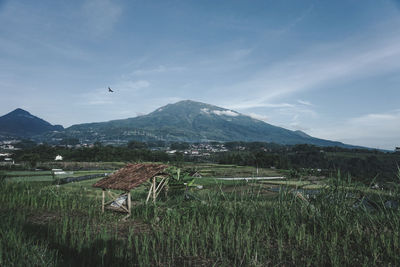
(45, 225)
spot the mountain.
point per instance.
(192, 121)
(20, 123)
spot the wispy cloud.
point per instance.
(158, 69)
(241, 53)
(123, 90)
(252, 104)
(98, 96)
(258, 116)
(303, 102)
(128, 85)
(330, 64)
(297, 20)
(287, 115)
(220, 112)
(101, 15)
(380, 130)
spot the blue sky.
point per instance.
(329, 68)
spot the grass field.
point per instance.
(228, 223)
(46, 176)
(220, 170)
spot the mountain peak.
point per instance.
(187, 101)
(190, 103)
(21, 123)
(19, 111)
(193, 121)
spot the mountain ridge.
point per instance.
(21, 123)
(183, 121)
(192, 121)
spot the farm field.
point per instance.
(43, 176)
(224, 170)
(226, 223)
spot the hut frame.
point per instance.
(156, 188)
(129, 178)
(124, 207)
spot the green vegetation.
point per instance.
(43, 176)
(302, 160)
(189, 121)
(225, 224)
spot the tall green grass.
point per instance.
(47, 225)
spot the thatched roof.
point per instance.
(131, 176)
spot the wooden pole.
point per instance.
(154, 189)
(129, 202)
(160, 184)
(102, 200)
(165, 182)
(148, 196)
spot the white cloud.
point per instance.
(205, 110)
(319, 66)
(101, 15)
(289, 116)
(158, 69)
(380, 130)
(241, 53)
(225, 113)
(123, 90)
(230, 113)
(303, 102)
(132, 85)
(251, 104)
(258, 117)
(297, 20)
(296, 126)
(99, 96)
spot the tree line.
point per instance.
(360, 163)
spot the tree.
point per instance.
(31, 158)
(69, 141)
(179, 146)
(136, 145)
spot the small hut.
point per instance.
(129, 178)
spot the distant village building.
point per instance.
(58, 157)
(5, 159)
(7, 147)
(57, 171)
(9, 161)
(397, 149)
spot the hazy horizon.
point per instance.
(328, 68)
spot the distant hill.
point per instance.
(20, 123)
(191, 121)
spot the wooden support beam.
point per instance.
(165, 182)
(111, 194)
(148, 196)
(129, 202)
(109, 202)
(124, 208)
(159, 185)
(102, 200)
(154, 189)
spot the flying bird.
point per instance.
(109, 89)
